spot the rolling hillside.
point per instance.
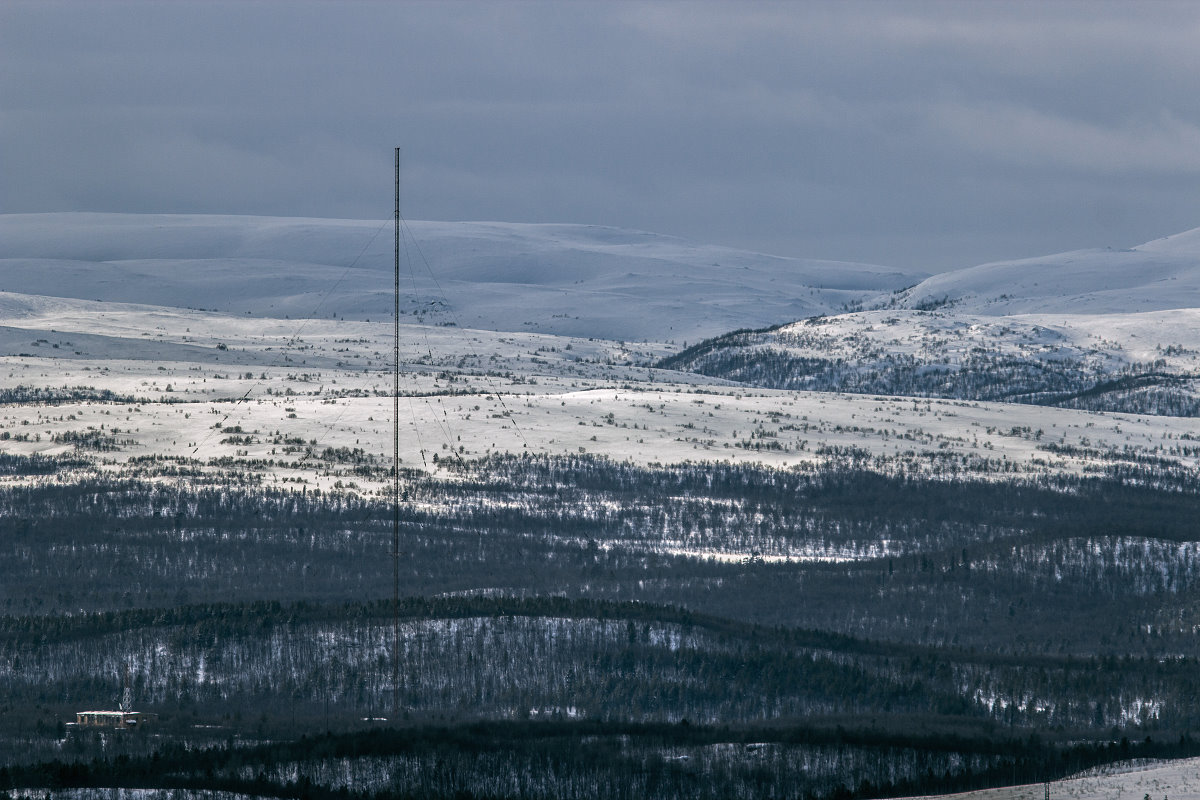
(576, 280)
(1157, 276)
(1099, 330)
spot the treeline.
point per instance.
(267, 668)
(762, 359)
(1095, 564)
(587, 760)
(57, 395)
(12, 464)
(582, 588)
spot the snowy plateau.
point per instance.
(555, 339)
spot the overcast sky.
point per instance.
(923, 135)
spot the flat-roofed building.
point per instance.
(113, 719)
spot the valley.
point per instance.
(871, 544)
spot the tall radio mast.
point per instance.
(396, 457)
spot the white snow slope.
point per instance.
(1170, 780)
(1102, 329)
(1156, 276)
(575, 280)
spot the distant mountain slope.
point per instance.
(1159, 275)
(566, 279)
(1093, 329)
(1138, 363)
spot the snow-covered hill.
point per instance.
(1137, 363)
(1159, 275)
(1094, 329)
(575, 280)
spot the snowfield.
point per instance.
(230, 391)
(1160, 275)
(1173, 780)
(104, 358)
(576, 280)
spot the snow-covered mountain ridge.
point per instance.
(1100, 330)
(1157, 276)
(575, 280)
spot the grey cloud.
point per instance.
(918, 134)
